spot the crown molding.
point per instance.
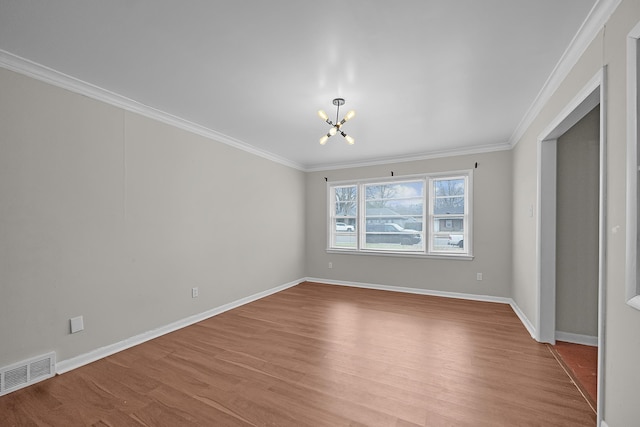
(413, 157)
(56, 78)
(596, 20)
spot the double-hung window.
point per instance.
(344, 221)
(426, 215)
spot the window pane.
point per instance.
(447, 215)
(346, 200)
(449, 187)
(449, 205)
(394, 216)
(343, 225)
(448, 234)
(345, 235)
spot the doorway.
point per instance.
(587, 100)
(577, 200)
(577, 219)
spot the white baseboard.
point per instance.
(459, 295)
(577, 338)
(524, 319)
(99, 353)
(86, 358)
(603, 423)
(486, 298)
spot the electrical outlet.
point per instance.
(330, 265)
(194, 292)
(478, 276)
(77, 324)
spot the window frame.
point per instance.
(432, 215)
(427, 250)
(333, 219)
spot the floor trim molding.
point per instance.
(99, 353)
(577, 338)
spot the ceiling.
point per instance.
(424, 76)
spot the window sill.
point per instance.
(454, 257)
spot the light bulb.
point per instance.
(333, 131)
(350, 115)
(323, 115)
(324, 139)
(350, 139)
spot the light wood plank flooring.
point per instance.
(321, 355)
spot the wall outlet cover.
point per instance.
(77, 324)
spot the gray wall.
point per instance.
(578, 191)
(113, 216)
(622, 323)
(491, 232)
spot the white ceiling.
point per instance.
(424, 76)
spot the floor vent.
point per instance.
(27, 372)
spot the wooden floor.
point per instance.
(581, 363)
(321, 355)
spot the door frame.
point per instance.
(592, 94)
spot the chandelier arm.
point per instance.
(349, 139)
(335, 127)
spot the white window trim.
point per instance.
(425, 253)
(467, 215)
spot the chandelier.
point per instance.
(336, 127)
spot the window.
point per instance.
(418, 215)
(344, 218)
(392, 213)
(447, 216)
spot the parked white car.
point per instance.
(341, 226)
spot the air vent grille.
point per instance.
(27, 372)
(16, 377)
(40, 368)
